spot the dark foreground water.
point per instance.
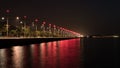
(57, 54)
(73, 53)
(101, 52)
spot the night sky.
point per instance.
(86, 17)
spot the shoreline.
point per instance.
(8, 42)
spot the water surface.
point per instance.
(56, 54)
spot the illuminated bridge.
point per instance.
(21, 27)
(14, 30)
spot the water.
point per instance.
(56, 54)
(73, 53)
(101, 52)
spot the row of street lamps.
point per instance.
(50, 29)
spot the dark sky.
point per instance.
(86, 17)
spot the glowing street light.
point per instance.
(7, 11)
(44, 22)
(17, 18)
(21, 27)
(3, 18)
(36, 20)
(21, 22)
(115, 36)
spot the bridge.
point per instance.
(18, 27)
(15, 29)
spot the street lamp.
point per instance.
(21, 27)
(54, 30)
(17, 18)
(43, 28)
(36, 28)
(17, 22)
(21, 22)
(49, 30)
(24, 24)
(7, 25)
(36, 20)
(3, 18)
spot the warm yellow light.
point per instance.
(3, 18)
(21, 22)
(17, 18)
(81, 35)
(115, 36)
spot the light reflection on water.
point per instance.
(57, 54)
(2, 58)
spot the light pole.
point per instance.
(36, 28)
(24, 29)
(21, 28)
(17, 18)
(24, 24)
(7, 26)
(57, 31)
(54, 30)
(43, 28)
(3, 18)
(36, 20)
(49, 30)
